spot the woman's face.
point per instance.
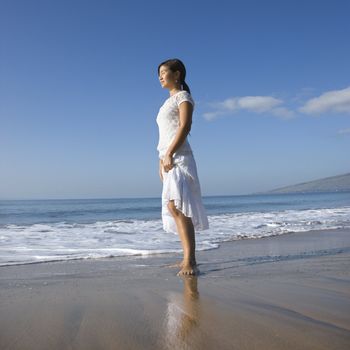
(167, 77)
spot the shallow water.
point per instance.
(48, 230)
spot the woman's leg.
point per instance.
(187, 235)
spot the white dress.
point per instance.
(181, 183)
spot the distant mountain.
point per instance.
(340, 183)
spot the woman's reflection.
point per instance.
(182, 315)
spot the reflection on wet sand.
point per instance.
(182, 315)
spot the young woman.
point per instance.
(182, 208)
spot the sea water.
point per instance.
(50, 230)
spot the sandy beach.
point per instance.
(283, 292)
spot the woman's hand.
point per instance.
(168, 162)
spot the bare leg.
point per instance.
(187, 235)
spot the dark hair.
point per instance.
(174, 64)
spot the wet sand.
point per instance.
(283, 292)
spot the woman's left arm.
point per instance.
(185, 123)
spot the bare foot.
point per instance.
(181, 263)
(188, 269)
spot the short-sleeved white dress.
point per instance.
(181, 183)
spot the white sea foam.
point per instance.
(64, 241)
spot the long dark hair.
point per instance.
(174, 64)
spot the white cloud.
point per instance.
(212, 115)
(344, 131)
(331, 101)
(258, 104)
(336, 101)
(255, 104)
(283, 113)
(304, 92)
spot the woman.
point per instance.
(182, 208)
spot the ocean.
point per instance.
(33, 231)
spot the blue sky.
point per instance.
(79, 94)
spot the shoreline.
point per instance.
(288, 291)
(165, 254)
